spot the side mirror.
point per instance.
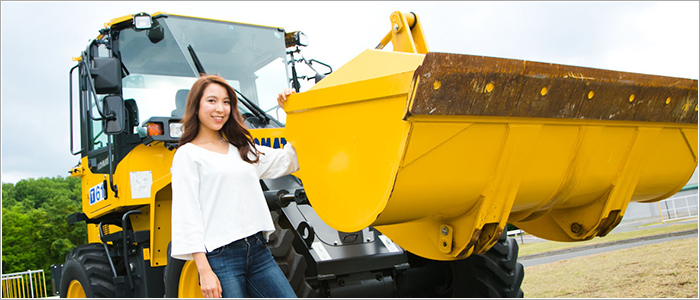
(114, 122)
(156, 33)
(107, 74)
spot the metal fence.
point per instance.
(515, 233)
(677, 208)
(29, 284)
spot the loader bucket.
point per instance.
(439, 151)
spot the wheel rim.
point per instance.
(189, 282)
(75, 290)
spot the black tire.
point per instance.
(292, 264)
(171, 275)
(89, 265)
(494, 274)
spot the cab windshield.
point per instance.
(161, 68)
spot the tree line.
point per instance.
(35, 233)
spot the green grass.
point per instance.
(540, 247)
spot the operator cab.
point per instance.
(152, 62)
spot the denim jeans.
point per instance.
(246, 268)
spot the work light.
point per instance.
(142, 21)
(295, 38)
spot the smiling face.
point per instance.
(214, 108)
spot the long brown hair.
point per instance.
(233, 131)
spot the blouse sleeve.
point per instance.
(276, 163)
(187, 223)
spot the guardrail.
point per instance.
(678, 208)
(29, 284)
(516, 233)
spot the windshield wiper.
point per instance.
(197, 63)
(257, 111)
(253, 108)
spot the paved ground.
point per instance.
(548, 257)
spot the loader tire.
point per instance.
(87, 274)
(494, 274)
(292, 264)
(181, 279)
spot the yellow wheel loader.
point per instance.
(411, 162)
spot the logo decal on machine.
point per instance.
(97, 193)
(270, 142)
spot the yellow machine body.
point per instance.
(439, 151)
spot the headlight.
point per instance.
(175, 130)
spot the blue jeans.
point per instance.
(246, 268)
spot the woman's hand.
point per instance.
(282, 97)
(208, 282)
(211, 287)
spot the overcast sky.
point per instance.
(40, 38)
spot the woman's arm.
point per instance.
(209, 283)
(277, 162)
(187, 224)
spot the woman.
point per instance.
(219, 215)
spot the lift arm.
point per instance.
(406, 34)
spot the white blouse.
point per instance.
(217, 198)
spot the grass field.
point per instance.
(664, 270)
